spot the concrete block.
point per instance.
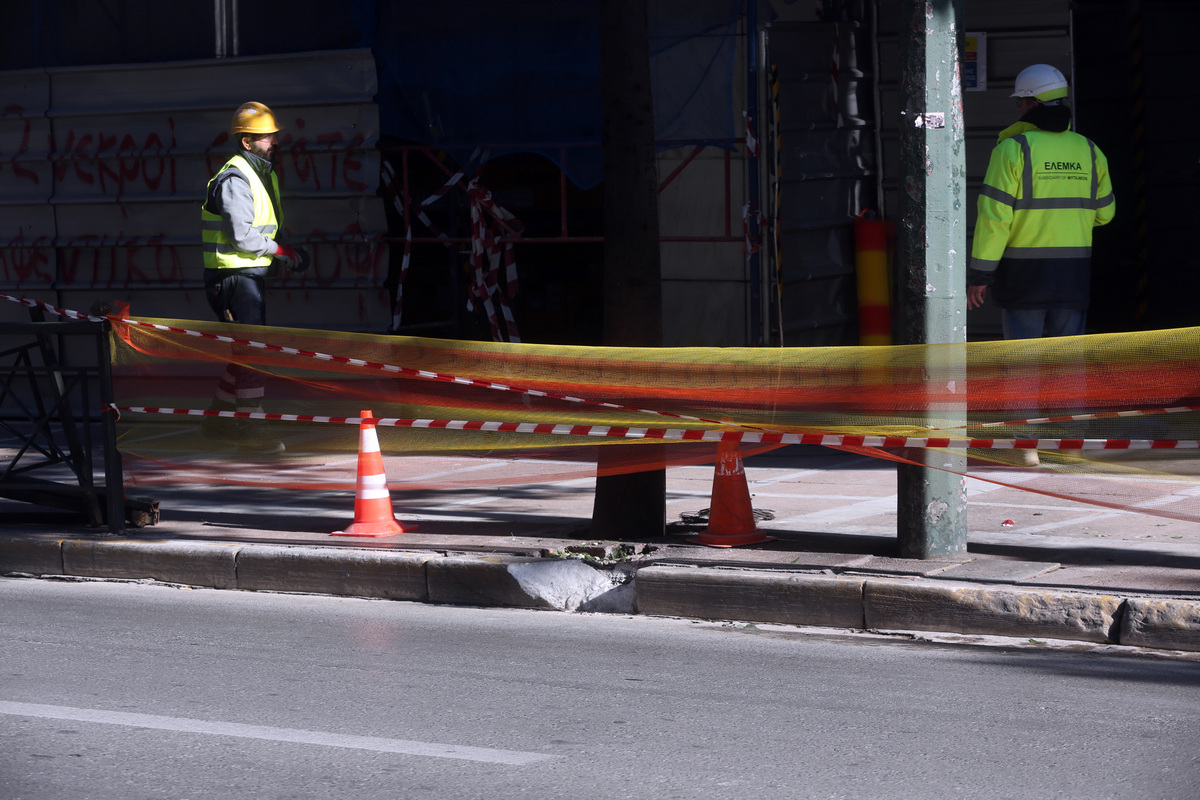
(900, 605)
(1165, 624)
(572, 585)
(333, 570)
(564, 584)
(32, 555)
(783, 597)
(191, 563)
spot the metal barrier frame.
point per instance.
(76, 398)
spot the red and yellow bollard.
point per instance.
(872, 253)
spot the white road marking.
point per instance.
(1102, 513)
(446, 473)
(678, 494)
(266, 733)
(505, 495)
(875, 506)
(788, 476)
(840, 514)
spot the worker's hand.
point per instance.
(294, 259)
(975, 296)
(305, 261)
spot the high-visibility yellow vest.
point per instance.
(219, 251)
(1043, 194)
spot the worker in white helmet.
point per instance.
(1045, 190)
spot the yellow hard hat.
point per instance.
(253, 118)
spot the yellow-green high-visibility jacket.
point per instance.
(1043, 194)
(247, 240)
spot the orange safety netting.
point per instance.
(1118, 392)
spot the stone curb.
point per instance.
(478, 581)
(895, 605)
(713, 593)
(32, 556)
(742, 593)
(1165, 624)
(169, 561)
(353, 573)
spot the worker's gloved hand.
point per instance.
(294, 259)
(305, 261)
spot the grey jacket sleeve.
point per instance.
(236, 205)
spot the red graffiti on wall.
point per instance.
(117, 164)
(90, 158)
(14, 163)
(104, 262)
(352, 258)
(26, 262)
(101, 263)
(302, 160)
(333, 145)
(222, 146)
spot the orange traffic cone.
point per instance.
(373, 514)
(730, 516)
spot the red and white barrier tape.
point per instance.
(486, 219)
(420, 373)
(751, 138)
(388, 180)
(697, 434)
(1137, 412)
(477, 157)
(750, 243)
(438, 376)
(357, 362)
(62, 312)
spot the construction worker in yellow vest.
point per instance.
(1046, 188)
(241, 220)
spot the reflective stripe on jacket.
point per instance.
(1043, 194)
(220, 251)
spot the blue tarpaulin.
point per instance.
(525, 77)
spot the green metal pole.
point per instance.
(932, 496)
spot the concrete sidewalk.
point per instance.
(1037, 567)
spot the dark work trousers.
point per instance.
(239, 298)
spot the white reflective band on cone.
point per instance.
(372, 482)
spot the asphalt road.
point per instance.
(119, 690)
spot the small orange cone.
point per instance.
(373, 514)
(730, 516)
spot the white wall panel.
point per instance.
(104, 168)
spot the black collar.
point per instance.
(1055, 119)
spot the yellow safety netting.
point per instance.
(1119, 392)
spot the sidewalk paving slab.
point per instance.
(997, 570)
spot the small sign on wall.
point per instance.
(974, 63)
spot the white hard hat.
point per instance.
(1041, 82)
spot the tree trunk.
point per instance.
(631, 505)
